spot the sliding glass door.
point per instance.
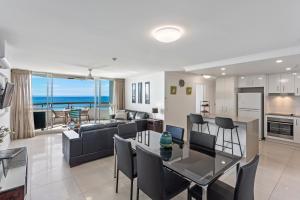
(56, 95)
(42, 99)
(103, 99)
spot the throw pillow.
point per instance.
(121, 114)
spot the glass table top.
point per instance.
(199, 167)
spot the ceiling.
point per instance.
(267, 66)
(70, 36)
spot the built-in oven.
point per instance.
(280, 127)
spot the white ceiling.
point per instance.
(267, 66)
(69, 36)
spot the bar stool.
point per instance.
(226, 124)
(198, 119)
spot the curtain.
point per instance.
(119, 94)
(21, 115)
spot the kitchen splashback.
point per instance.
(283, 104)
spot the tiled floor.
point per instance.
(278, 175)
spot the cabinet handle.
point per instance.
(283, 88)
(297, 90)
(277, 88)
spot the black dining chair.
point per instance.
(244, 188)
(202, 142)
(177, 134)
(156, 181)
(126, 161)
(198, 120)
(128, 130)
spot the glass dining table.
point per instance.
(200, 168)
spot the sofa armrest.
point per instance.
(72, 145)
(141, 124)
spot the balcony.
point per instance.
(58, 112)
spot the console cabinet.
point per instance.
(155, 125)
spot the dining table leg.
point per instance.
(204, 193)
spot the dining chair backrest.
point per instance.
(244, 189)
(124, 156)
(202, 142)
(196, 119)
(128, 130)
(150, 173)
(176, 132)
(224, 122)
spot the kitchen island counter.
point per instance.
(248, 130)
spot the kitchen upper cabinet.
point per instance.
(297, 85)
(226, 95)
(252, 81)
(259, 81)
(297, 129)
(287, 83)
(274, 83)
(281, 83)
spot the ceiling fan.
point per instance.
(90, 76)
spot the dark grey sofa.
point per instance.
(140, 118)
(92, 142)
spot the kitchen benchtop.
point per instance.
(284, 114)
(236, 119)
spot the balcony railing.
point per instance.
(69, 105)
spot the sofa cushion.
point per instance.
(140, 115)
(90, 127)
(121, 114)
(131, 115)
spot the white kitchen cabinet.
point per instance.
(281, 83)
(259, 81)
(287, 81)
(226, 96)
(297, 129)
(274, 83)
(252, 81)
(297, 85)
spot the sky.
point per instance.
(67, 87)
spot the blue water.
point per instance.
(41, 101)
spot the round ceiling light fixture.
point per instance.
(167, 34)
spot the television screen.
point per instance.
(6, 95)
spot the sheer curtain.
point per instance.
(119, 94)
(21, 115)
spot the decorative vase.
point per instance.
(166, 140)
(165, 153)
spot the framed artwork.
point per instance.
(140, 92)
(188, 90)
(133, 90)
(147, 93)
(173, 90)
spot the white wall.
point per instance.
(157, 92)
(178, 106)
(5, 113)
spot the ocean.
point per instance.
(60, 102)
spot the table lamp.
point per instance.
(154, 111)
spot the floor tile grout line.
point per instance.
(285, 167)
